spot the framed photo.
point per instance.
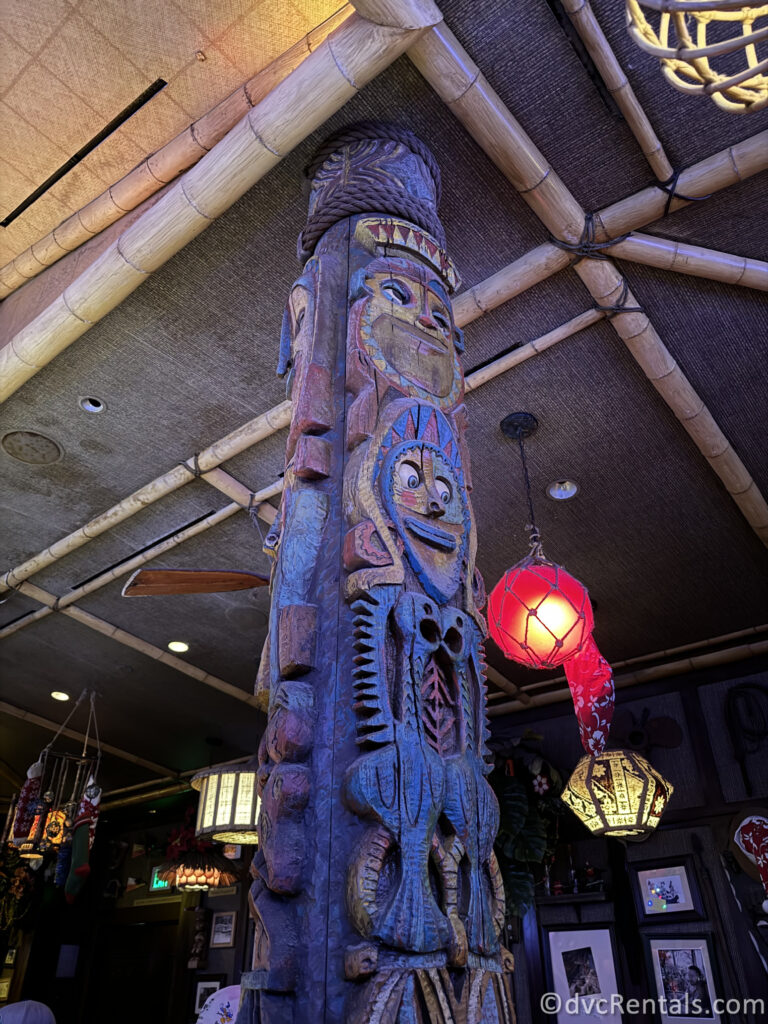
(10, 957)
(5, 989)
(232, 851)
(581, 970)
(667, 888)
(223, 928)
(205, 986)
(683, 975)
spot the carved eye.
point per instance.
(409, 476)
(443, 490)
(300, 319)
(440, 319)
(397, 291)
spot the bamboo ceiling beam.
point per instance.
(121, 570)
(599, 49)
(670, 668)
(653, 251)
(259, 498)
(134, 642)
(353, 54)
(455, 77)
(701, 180)
(46, 723)
(668, 652)
(507, 687)
(237, 441)
(159, 168)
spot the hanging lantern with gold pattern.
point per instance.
(617, 794)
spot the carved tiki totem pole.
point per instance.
(376, 895)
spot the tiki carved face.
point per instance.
(407, 326)
(427, 504)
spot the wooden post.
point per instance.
(376, 893)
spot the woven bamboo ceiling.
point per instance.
(658, 415)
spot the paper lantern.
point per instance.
(538, 614)
(229, 804)
(617, 794)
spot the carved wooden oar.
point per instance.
(148, 582)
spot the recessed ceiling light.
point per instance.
(178, 646)
(91, 404)
(59, 695)
(562, 490)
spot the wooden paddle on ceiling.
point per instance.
(149, 582)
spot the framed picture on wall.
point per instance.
(682, 971)
(667, 888)
(205, 986)
(10, 957)
(581, 973)
(223, 927)
(5, 989)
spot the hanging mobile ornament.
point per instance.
(541, 617)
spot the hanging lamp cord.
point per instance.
(534, 537)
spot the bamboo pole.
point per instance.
(121, 570)
(654, 251)
(46, 723)
(158, 169)
(227, 447)
(530, 269)
(507, 686)
(656, 655)
(533, 348)
(607, 286)
(134, 642)
(646, 675)
(727, 167)
(140, 559)
(444, 63)
(599, 49)
(172, 789)
(354, 53)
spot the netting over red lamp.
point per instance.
(538, 614)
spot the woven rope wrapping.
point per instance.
(685, 61)
(370, 196)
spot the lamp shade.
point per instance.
(538, 614)
(618, 794)
(199, 870)
(229, 804)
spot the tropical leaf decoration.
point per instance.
(528, 789)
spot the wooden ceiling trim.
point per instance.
(695, 260)
(683, 666)
(599, 49)
(161, 167)
(354, 53)
(136, 643)
(449, 69)
(107, 748)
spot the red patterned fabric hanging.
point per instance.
(590, 678)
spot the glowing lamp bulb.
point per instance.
(539, 615)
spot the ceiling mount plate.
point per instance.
(519, 424)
